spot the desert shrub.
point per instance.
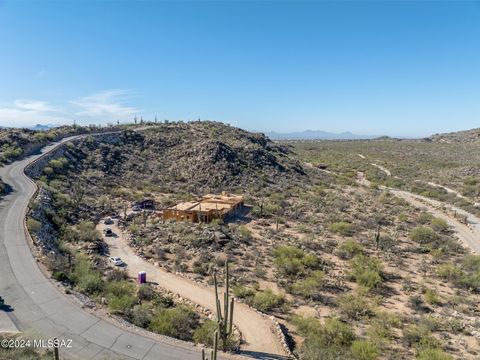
(204, 334)
(470, 281)
(419, 336)
(416, 303)
(162, 301)
(330, 340)
(366, 271)
(120, 296)
(267, 301)
(449, 271)
(433, 354)
(33, 225)
(354, 306)
(342, 228)
(315, 349)
(116, 275)
(425, 218)
(431, 297)
(381, 327)
(60, 276)
(256, 211)
(140, 315)
(310, 286)
(385, 243)
(179, 322)
(423, 235)
(243, 292)
(348, 249)
(291, 260)
(119, 288)
(439, 225)
(471, 263)
(145, 292)
(363, 350)
(87, 232)
(58, 164)
(467, 275)
(430, 323)
(335, 332)
(91, 283)
(85, 278)
(121, 304)
(244, 233)
(199, 267)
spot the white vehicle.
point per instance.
(116, 261)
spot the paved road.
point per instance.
(40, 309)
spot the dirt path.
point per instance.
(451, 191)
(469, 234)
(385, 170)
(257, 331)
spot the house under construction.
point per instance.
(206, 209)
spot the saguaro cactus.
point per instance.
(225, 320)
(213, 353)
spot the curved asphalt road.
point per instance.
(39, 308)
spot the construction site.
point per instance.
(206, 209)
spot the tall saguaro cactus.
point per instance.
(213, 353)
(225, 320)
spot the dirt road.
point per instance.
(257, 331)
(470, 235)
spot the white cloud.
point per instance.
(33, 105)
(106, 105)
(100, 107)
(30, 112)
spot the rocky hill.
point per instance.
(191, 157)
(326, 257)
(466, 136)
(15, 143)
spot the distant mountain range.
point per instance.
(317, 135)
(41, 127)
(38, 127)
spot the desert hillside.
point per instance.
(345, 265)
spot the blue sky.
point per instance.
(396, 68)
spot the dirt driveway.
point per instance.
(257, 330)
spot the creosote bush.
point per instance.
(366, 271)
(348, 249)
(342, 228)
(423, 235)
(293, 261)
(177, 322)
(310, 286)
(354, 306)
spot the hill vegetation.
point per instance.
(350, 271)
